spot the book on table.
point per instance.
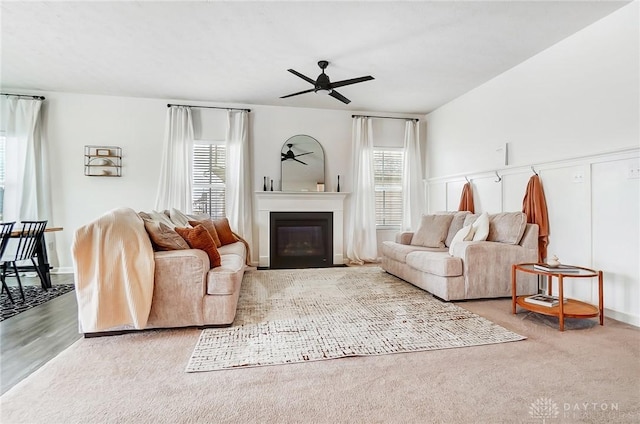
(559, 268)
(544, 300)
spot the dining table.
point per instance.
(42, 259)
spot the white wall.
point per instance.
(72, 121)
(572, 112)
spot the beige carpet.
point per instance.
(591, 375)
(303, 315)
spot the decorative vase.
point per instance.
(338, 188)
(271, 185)
(264, 186)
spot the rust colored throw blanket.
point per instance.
(466, 200)
(114, 272)
(534, 205)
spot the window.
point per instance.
(208, 183)
(387, 168)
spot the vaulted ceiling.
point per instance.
(421, 54)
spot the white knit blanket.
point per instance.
(114, 272)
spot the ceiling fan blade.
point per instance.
(302, 154)
(304, 77)
(351, 81)
(299, 92)
(299, 161)
(340, 97)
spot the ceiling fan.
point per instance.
(291, 155)
(324, 85)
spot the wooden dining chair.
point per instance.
(6, 229)
(31, 234)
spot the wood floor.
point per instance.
(30, 339)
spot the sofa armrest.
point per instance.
(486, 266)
(404, 237)
(180, 284)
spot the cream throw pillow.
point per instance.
(464, 234)
(179, 219)
(481, 227)
(161, 217)
(432, 231)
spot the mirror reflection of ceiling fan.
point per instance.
(323, 85)
(291, 155)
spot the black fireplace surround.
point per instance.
(301, 240)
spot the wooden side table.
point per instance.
(572, 308)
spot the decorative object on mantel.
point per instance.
(320, 187)
(264, 186)
(338, 188)
(271, 185)
(102, 161)
(310, 315)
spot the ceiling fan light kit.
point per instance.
(323, 85)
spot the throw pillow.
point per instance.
(464, 234)
(178, 218)
(224, 231)
(199, 238)
(163, 236)
(432, 231)
(456, 224)
(208, 224)
(161, 217)
(481, 227)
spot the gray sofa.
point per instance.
(457, 270)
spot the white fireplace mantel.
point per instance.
(281, 201)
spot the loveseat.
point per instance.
(132, 273)
(443, 258)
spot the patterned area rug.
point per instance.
(290, 316)
(33, 296)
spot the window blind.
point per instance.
(388, 186)
(208, 184)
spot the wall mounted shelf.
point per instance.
(102, 161)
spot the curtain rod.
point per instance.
(211, 107)
(385, 117)
(24, 95)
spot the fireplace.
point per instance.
(301, 239)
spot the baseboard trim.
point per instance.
(623, 317)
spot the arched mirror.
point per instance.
(302, 160)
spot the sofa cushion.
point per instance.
(432, 231)
(198, 238)
(456, 224)
(208, 224)
(507, 227)
(223, 279)
(224, 231)
(237, 248)
(163, 236)
(481, 227)
(437, 263)
(399, 252)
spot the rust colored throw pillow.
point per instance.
(199, 238)
(224, 231)
(208, 224)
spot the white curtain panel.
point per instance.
(361, 230)
(412, 184)
(27, 194)
(238, 196)
(174, 189)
